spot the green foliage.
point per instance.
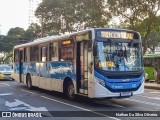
(59, 16)
(150, 71)
(33, 32)
(15, 34)
(10, 40)
(9, 55)
(153, 40)
(5, 44)
(140, 15)
(1, 42)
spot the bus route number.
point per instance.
(106, 64)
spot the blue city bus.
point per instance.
(96, 63)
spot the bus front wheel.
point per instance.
(70, 91)
(29, 82)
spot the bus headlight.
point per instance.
(100, 81)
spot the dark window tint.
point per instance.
(44, 53)
(54, 51)
(34, 53)
(16, 55)
(67, 51)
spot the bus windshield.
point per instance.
(118, 55)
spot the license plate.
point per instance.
(125, 93)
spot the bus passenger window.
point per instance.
(44, 54)
(25, 55)
(34, 56)
(67, 50)
(54, 51)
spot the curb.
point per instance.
(152, 87)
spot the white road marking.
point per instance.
(110, 103)
(79, 108)
(155, 92)
(144, 102)
(15, 106)
(75, 106)
(28, 91)
(5, 94)
(114, 118)
(118, 105)
(4, 84)
(65, 103)
(156, 98)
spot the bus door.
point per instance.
(21, 57)
(82, 67)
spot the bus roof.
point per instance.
(58, 37)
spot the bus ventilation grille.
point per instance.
(123, 77)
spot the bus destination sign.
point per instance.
(66, 42)
(116, 34)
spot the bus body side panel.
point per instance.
(58, 71)
(49, 76)
(24, 72)
(44, 78)
(16, 71)
(32, 70)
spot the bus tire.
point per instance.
(70, 91)
(29, 82)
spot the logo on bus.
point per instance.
(126, 80)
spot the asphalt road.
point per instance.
(15, 97)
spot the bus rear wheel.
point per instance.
(70, 91)
(29, 82)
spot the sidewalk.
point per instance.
(152, 85)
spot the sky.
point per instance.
(13, 13)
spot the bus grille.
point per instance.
(123, 77)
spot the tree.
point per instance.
(8, 58)
(33, 32)
(92, 13)
(8, 42)
(2, 46)
(59, 16)
(138, 13)
(153, 40)
(16, 32)
(6, 45)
